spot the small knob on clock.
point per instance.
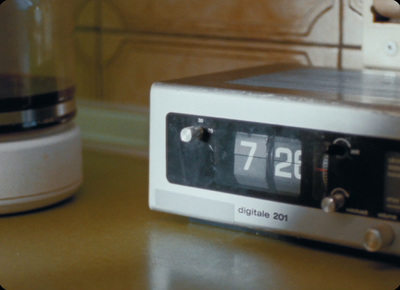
(378, 237)
(191, 133)
(335, 201)
(340, 148)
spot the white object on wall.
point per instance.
(381, 39)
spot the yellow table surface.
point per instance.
(107, 238)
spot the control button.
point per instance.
(191, 133)
(339, 148)
(377, 238)
(335, 201)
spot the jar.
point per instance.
(40, 146)
(36, 63)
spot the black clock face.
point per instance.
(284, 164)
(239, 157)
(270, 163)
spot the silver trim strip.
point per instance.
(40, 116)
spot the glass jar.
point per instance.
(36, 64)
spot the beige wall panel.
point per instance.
(352, 22)
(352, 58)
(132, 64)
(87, 13)
(88, 70)
(88, 50)
(315, 21)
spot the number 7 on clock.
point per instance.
(250, 156)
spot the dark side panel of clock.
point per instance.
(285, 164)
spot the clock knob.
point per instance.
(378, 238)
(339, 148)
(335, 201)
(191, 133)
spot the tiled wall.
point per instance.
(123, 46)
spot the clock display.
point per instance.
(284, 164)
(250, 159)
(268, 162)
